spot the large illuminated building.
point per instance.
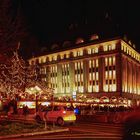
(100, 70)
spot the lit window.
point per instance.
(81, 77)
(122, 47)
(110, 87)
(89, 51)
(113, 47)
(90, 76)
(89, 88)
(55, 57)
(51, 69)
(68, 89)
(93, 75)
(74, 53)
(67, 55)
(81, 65)
(106, 88)
(106, 75)
(114, 74)
(93, 63)
(96, 88)
(50, 58)
(110, 74)
(43, 59)
(39, 60)
(97, 63)
(106, 61)
(93, 51)
(106, 48)
(75, 66)
(109, 47)
(114, 60)
(96, 50)
(89, 63)
(97, 76)
(110, 61)
(78, 65)
(82, 89)
(80, 53)
(76, 78)
(113, 88)
(62, 56)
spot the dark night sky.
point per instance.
(49, 20)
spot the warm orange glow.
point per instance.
(106, 88)
(30, 104)
(89, 51)
(97, 63)
(89, 88)
(83, 70)
(79, 40)
(113, 87)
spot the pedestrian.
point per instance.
(25, 110)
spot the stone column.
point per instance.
(85, 74)
(59, 78)
(72, 77)
(119, 72)
(101, 70)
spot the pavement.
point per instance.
(34, 133)
(30, 119)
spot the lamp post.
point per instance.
(37, 89)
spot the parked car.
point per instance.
(57, 114)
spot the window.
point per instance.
(89, 51)
(110, 74)
(93, 76)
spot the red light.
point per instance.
(64, 112)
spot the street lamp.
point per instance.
(37, 89)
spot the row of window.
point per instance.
(110, 74)
(130, 52)
(74, 53)
(93, 77)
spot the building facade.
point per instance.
(102, 70)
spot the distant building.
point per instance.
(102, 70)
